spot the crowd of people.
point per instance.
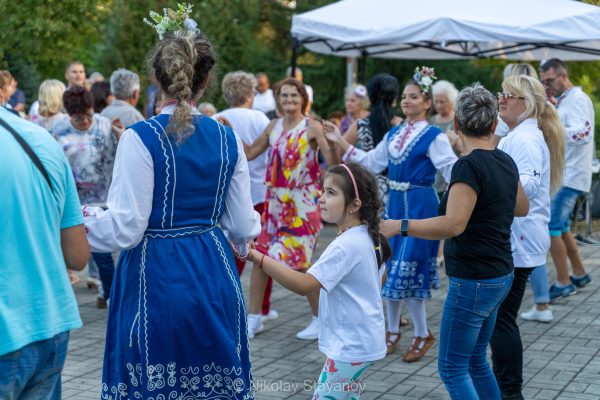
(186, 196)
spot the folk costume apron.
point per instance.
(177, 323)
(412, 271)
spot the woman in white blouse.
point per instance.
(535, 143)
(180, 195)
(413, 152)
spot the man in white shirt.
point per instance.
(576, 112)
(263, 99)
(125, 86)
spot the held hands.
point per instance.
(389, 227)
(332, 133)
(117, 128)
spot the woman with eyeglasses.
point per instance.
(536, 145)
(90, 143)
(291, 219)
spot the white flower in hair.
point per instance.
(190, 24)
(171, 20)
(424, 77)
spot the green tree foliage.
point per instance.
(39, 37)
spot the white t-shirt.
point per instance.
(530, 238)
(248, 125)
(576, 112)
(352, 327)
(264, 101)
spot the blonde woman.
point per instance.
(50, 104)
(535, 143)
(357, 106)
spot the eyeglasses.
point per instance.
(79, 118)
(507, 95)
(548, 82)
(292, 95)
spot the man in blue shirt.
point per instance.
(42, 235)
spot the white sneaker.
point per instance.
(311, 332)
(536, 315)
(273, 314)
(255, 325)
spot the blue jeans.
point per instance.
(539, 284)
(561, 209)
(468, 320)
(106, 269)
(33, 371)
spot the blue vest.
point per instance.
(418, 170)
(190, 179)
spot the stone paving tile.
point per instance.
(561, 358)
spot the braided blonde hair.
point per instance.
(182, 63)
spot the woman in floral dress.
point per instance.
(291, 220)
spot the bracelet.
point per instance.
(261, 261)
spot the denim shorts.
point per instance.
(33, 372)
(561, 210)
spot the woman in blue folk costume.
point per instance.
(180, 195)
(412, 152)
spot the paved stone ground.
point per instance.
(562, 359)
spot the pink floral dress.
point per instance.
(291, 219)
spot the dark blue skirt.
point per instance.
(412, 271)
(177, 322)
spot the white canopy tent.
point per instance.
(452, 29)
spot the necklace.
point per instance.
(174, 102)
(340, 231)
(409, 130)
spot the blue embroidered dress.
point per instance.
(177, 322)
(412, 153)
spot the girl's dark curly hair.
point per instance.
(371, 204)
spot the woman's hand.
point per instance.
(117, 128)
(389, 227)
(332, 133)
(455, 141)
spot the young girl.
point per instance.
(351, 332)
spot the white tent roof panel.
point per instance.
(442, 29)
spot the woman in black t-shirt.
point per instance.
(477, 211)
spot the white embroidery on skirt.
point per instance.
(209, 382)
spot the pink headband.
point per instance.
(353, 180)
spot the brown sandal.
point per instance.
(392, 344)
(418, 347)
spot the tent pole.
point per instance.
(363, 66)
(294, 56)
(350, 71)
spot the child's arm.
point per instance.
(295, 281)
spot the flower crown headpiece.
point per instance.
(424, 77)
(171, 20)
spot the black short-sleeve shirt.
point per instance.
(483, 250)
